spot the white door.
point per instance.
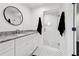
(51, 34)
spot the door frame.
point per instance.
(74, 31)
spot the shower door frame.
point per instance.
(74, 31)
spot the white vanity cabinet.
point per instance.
(22, 46)
(26, 45)
(7, 48)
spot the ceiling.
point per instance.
(36, 5)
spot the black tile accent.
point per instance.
(77, 48)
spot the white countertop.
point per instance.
(4, 38)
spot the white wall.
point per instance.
(68, 41)
(27, 16)
(77, 23)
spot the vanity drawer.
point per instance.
(8, 53)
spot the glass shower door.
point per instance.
(51, 34)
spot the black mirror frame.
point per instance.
(6, 18)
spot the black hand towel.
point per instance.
(39, 28)
(61, 26)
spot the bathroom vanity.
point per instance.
(18, 44)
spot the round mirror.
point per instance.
(13, 15)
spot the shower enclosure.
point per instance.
(51, 36)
